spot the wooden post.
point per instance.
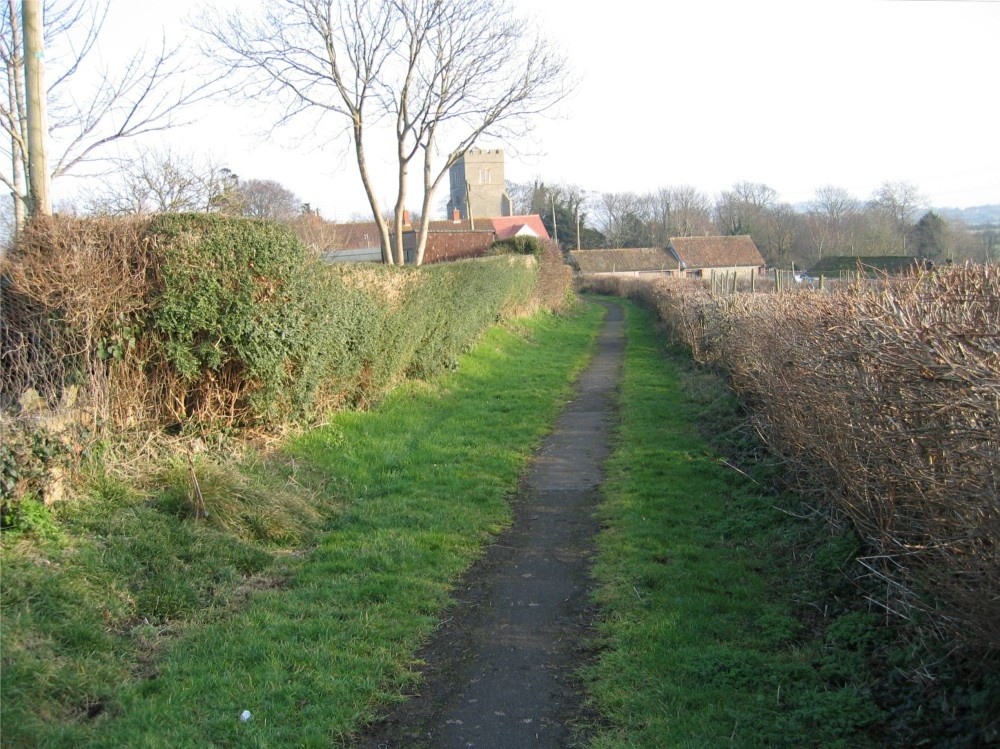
(753, 281)
(40, 204)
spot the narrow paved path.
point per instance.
(501, 671)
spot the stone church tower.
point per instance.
(477, 183)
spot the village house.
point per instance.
(457, 239)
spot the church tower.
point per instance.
(478, 186)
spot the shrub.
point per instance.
(234, 316)
(554, 290)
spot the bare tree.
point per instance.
(901, 201)
(315, 232)
(263, 198)
(446, 73)
(680, 211)
(894, 206)
(779, 235)
(830, 220)
(521, 195)
(740, 210)
(149, 93)
(626, 219)
(163, 181)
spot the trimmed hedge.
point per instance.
(232, 321)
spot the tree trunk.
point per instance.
(18, 119)
(400, 252)
(383, 229)
(34, 83)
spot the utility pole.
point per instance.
(555, 225)
(40, 204)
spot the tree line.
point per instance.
(439, 75)
(894, 220)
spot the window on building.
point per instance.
(484, 175)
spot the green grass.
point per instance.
(303, 596)
(127, 621)
(700, 643)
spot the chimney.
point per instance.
(456, 215)
(406, 218)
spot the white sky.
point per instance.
(796, 94)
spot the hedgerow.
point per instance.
(881, 401)
(194, 320)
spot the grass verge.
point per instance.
(303, 596)
(698, 569)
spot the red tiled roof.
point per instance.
(446, 240)
(358, 236)
(460, 225)
(443, 246)
(716, 252)
(509, 226)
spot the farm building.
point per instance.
(683, 256)
(631, 261)
(700, 256)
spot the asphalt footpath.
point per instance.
(501, 670)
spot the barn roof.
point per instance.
(715, 252)
(623, 260)
(885, 263)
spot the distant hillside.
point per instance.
(976, 216)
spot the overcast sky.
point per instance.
(797, 94)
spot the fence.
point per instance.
(777, 280)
